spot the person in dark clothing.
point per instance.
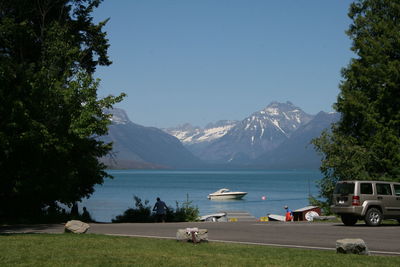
(86, 215)
(74, 210)
(161, 210)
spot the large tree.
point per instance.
(50, 115)
(365, 143)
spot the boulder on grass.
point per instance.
(194, 235)
(351, 246)
(76, 227)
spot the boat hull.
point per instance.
(226, 196)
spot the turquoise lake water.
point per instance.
(279, 187)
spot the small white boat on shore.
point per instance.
(225, 193)
(215, 217)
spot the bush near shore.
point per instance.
(143, 212)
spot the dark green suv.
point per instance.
(371, 201)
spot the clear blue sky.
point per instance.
(200, 61)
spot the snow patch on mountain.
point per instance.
(271, 111)
(189, 134)
(214, 133)
(119, 116)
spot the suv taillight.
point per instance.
(356, 201)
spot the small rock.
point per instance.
(351, 246)
(76, 227)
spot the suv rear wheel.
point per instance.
(373, 217)
(349, 220)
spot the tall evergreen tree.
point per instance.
(50, 115)
(365, 143)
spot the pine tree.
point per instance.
(365, 143)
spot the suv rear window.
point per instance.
(383, 189)
(397, 189)
(366, 188)
(344, 188)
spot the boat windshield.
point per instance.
(223, 190)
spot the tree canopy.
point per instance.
(50, 114)
(365, 143)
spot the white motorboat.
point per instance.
(224, 193)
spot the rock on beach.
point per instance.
(77, 227)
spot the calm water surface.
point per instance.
(279, 187)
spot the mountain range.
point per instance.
(137, 146)
(276, 137)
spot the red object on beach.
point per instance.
(288, 217)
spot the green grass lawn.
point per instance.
(100, 250)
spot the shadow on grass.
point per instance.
(31, 228)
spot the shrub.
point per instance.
(143, 212)
(187, 212)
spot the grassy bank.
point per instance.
(89, 249)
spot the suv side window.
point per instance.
(383, 189)
(397, 189)
(366, 188)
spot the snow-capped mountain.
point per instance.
(277, 136)
(262, 131)
(297, 152)
(285, 117)
(190, 135)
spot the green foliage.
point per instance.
(187, 212)
(143, 212)
(50, 115)
(365, 143)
